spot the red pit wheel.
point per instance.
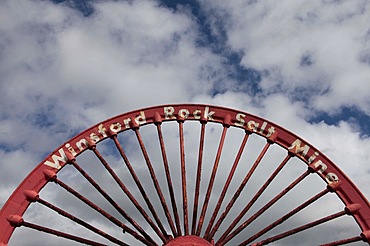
(186, 175)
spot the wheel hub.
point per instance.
(189, 240)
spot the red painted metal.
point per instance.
(189, 240)
(17, 221)
(213, 175)
(156, 185)
(344, 241)
(183, 177)
(224, 190)
(176, 232)
(139, 186)
(285, 217)
(302, 228)
(237, 194)
(198, 179)
(11, 214)
(147, 240)
(227, 237)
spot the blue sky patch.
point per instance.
(83, 6)
(349, 114)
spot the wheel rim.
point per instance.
(198, 203)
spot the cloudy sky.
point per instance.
(67, 65)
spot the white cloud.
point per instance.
(110, 59)
(313, 46)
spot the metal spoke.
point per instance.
(344, 241)
(147, 240)
(212, 180)
(115, 205)
(240, 189)
(156, 185)
(208, 233)
(18, 221)
(198, 178)
(77, 220)
(285, 217)
(61, 234)
(226, 237)
(302, 228)
(183, 179)
(169, 182)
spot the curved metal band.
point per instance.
(17, 204)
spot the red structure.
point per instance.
(207, 207)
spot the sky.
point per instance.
(66, 65)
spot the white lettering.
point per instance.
(115, 127)
(126, 122)
(196, 114)
(322, 167)
(298, 149)
(82, 144)
(332, 177)
(253, 126)
(264, 124)
(94, 137)
(271, 131)
(240, 119)
(313, 157)
(71, 149)
(184, 113)
(141, 118)
(168, 113)
(57, 159)
(208, 114)
(102, 130)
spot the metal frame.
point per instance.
(183, 230)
